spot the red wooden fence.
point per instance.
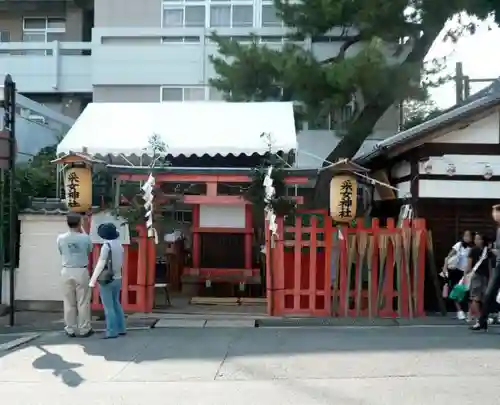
(137, 274)
(378, 271)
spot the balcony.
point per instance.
(40, 5)
(55, 67)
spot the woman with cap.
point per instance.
(108, 273)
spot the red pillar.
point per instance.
(196, 237)
(248, 236)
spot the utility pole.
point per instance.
(8, 102)
(463, 83)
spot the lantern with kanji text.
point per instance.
(78, 187)
(343, 198)
(77, 172)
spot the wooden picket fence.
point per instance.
(317, 269)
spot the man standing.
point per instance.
(494, 283)
(75, 247)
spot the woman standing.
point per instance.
(479, 263)
(455, 264)
(108, 273)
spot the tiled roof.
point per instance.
(46, 206)
(478, 102)
(49, 206)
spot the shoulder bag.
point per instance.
(107, 275)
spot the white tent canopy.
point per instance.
(186, 128)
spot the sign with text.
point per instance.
(78, 188)
(343, 198)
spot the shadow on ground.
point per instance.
(199, 354)
(60, 368)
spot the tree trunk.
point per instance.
(362, 127)
(348, 146)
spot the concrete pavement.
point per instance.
(250, 366)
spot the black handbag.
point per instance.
(107, 275)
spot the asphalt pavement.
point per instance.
(411, 365)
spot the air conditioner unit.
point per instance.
(39, 119)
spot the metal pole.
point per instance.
(10, 113)
(459, 82)
(466, 87)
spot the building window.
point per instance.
(231, 15)
(4, 36)
(186, 13)
(270, 17)
(181, 40)
(43, 30)
(188, 93)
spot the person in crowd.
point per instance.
(494, 317)
(108, 273)
(489, 302)
(75, 246)
(478, 269)
(454, 266)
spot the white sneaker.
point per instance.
(461, 315)
(491, 321)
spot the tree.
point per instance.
(416, 112)
(380, 63)
(36, 178)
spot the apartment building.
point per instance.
(65, 51)
(46, 46)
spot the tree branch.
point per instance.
(363, 125)
(343, 49)
(421, 48)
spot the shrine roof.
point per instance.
(310, 173)
(186, 128)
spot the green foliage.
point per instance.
(36, 178)
(416, 112)
(380, 63)
(133, 211)
(281, 203)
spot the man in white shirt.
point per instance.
(75, 247)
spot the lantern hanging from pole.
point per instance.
(343, 198)
(78, 188)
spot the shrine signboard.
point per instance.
(343, 198)
(78, 188)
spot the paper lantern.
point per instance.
(451, 169)
(488, 172)
(343, 198)
(78, 188)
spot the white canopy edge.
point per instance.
(186, 128)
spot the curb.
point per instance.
(58, 326)
(323, 322)
(356, 323)
(204, 323)
(18, 342)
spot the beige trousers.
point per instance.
(76, 300)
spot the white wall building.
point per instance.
(141, 51)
